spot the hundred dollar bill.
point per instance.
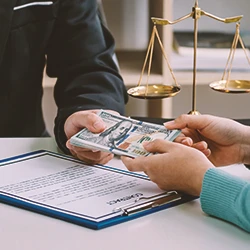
(122, 136)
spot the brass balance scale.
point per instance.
(225, 85)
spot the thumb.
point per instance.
(198, 122)
(96, 124)
(83, 119)
(158, 146)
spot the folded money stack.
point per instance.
(122, 136)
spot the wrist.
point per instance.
(198, 180)
(246, 146)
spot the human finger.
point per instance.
(198, 122)
(94, 157)
(82, 119)
(78, 149)
(184, 140)
(134, 164)
(201, 145)
(207, 152)
(158, 146)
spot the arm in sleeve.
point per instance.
(80, 55)
(227, 197)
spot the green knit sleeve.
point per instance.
(227, 197)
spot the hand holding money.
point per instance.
(94, 123)
(122, 135)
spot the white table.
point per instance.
(182, 227)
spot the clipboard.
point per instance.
(65, 188)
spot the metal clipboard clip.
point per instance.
(150, 202)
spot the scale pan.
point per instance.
(233, 86)
(154, 91)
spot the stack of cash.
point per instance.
(122, 136)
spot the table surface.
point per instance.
(181, 227)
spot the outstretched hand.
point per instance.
(90, 120)
(175, 167)
(224, 137)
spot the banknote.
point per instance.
(122, 136)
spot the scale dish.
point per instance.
(155, 91)
(231, 86)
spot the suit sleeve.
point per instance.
(226, 197)
(80, 55)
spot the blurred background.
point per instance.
(129, 22)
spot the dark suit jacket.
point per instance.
(68, 35)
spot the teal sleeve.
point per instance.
(227, 197)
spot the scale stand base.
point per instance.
(194, 112)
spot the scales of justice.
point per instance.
(225, 85)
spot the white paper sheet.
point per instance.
(92, 192)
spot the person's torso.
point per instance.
(27, 34)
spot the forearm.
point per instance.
(226, 197)
(80, 55)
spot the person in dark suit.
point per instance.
(68, 37)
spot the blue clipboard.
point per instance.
(14, 192)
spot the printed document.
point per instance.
(69, 186)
